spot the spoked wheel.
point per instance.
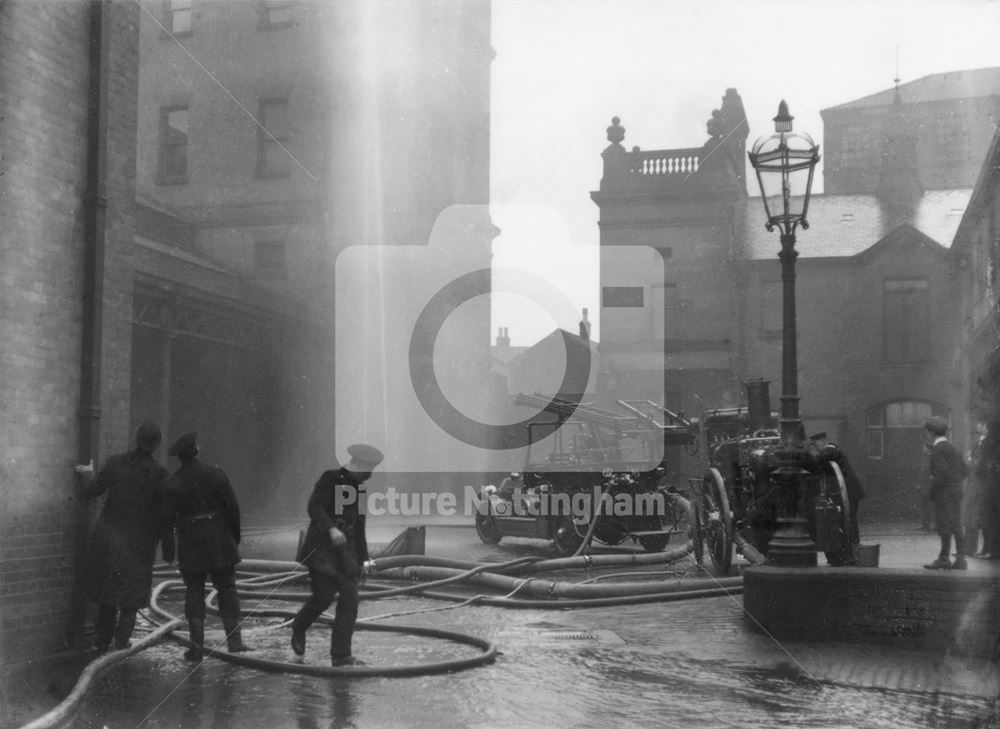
(713, 532)
(487, 529)
(565, 537)
(835, 486)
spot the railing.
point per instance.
(662, 162)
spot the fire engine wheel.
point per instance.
(715, 521)
(835, 486)
(565, 537)
(487, 529)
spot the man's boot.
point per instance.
(234, 636)
(196, 633)
(959, 563)
(941, 563)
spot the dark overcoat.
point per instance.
(122, 547)
(204, 510)
(855, 490)
(948, 471)
(336, 501)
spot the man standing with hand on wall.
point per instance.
(336, 552)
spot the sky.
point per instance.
(564, 68)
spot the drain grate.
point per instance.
(567, 636)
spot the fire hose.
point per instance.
(515, 576)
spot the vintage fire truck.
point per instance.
(735, 503)
(593, 475)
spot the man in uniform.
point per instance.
(336, 552)
(948, 471)
(855, 491)
(204, 510)
(123, 545)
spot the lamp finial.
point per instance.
(783, 122)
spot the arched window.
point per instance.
(897, 414)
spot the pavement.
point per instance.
(707, 632)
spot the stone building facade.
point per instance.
(876, 282)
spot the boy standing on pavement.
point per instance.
(948, 471)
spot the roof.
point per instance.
(845, 225)
(936, 87)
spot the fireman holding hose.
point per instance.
(336, 552)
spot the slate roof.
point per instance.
(970, 83)
(845, 225)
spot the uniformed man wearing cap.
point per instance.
(204, 511)
(828, 451)
(948, 471)
(336, 552)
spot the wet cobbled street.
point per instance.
(689, 664)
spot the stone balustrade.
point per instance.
(661, 162)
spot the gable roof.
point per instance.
(845, 225)
(971, 83)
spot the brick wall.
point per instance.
(913, 609)
(43, 134)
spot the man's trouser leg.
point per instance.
(324, 590)
(126, 624)
(229, 608)
(344, 620)
(194, 611)
(104, 626)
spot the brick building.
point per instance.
(976, 249)
(178, 180)
(67, 137)
(876, 282)
(952, 117)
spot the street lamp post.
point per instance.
(784, 163)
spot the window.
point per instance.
(177, 16)
(907, 414)
(272, 159)
(275, 14)
(269, 259)
(622, 297)
(173, 144)
(896, 417)
(905, 320)
(770, 308)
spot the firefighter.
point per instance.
(336, 552)
(855, 491)
(204, 510)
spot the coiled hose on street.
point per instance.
(265, 579)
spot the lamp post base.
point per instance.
(791, 545)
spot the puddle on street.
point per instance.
(576, 668)
(532, 684)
